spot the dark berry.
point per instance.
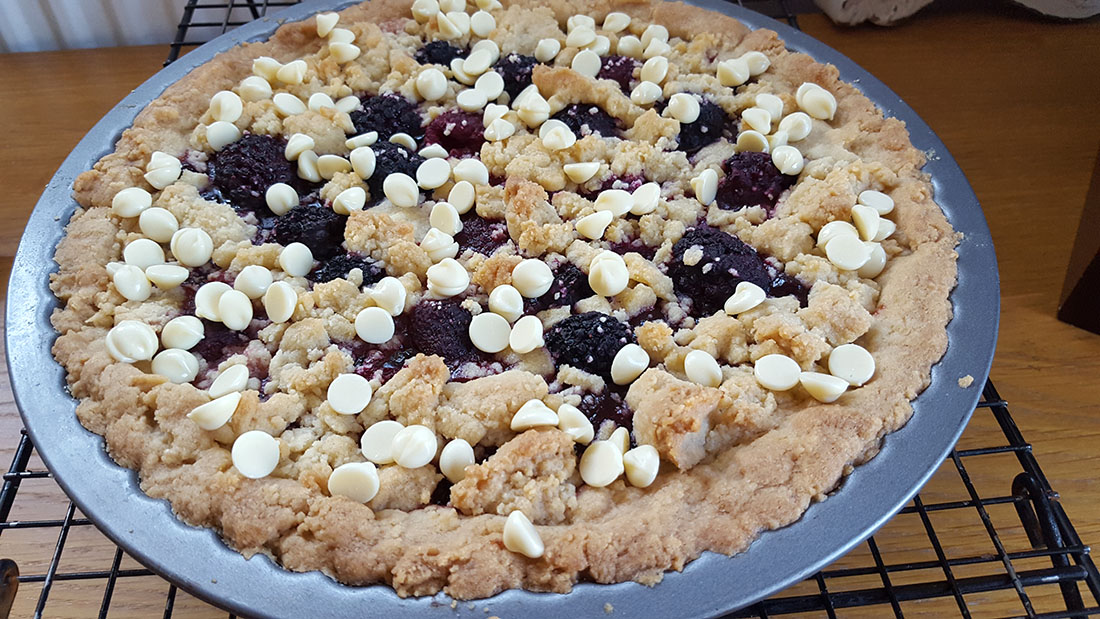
(516, 71)
(608, 405)
(570, 285)
(636, 246)
(705, 130)
(484, 236)
(713, 276)
(442, 328)
(219, 342)
(439, 52)
(461, 133)
(442, 493)
(588, 341)
(243, 170)
(382, 364)
(388, 159)
(388, 114)
(340, 266)
(788, 285)
(626, 183)
(318, 228)
(619, 69)
(751, 180)
(588, 118)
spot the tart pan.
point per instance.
(200, 563)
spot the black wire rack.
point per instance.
(992, 530)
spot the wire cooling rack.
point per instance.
(991, 532)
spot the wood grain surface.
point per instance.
(1014, 97)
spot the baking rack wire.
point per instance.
(866, 577)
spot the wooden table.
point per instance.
(1014, 97)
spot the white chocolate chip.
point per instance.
(356, 480)
(620, 438)
(506, 301)
(866, 220)
(280, 301)
(601, 46)
(641, 465)
(166, 276)
(601, 464)
(477, 62)
(455, 457)
(655, 69)
(434, 151)
(215, 413)
(431, 84)
(349, 394)
(447, 278)
(489, 5)
(877, 200)
(296, 260)
(266, 68)
(746, 296)
(753, 141)
(628, 364)
(885, 229)
(462, 196)
(308, 167)
(702, 368)
(847, 252)
(777, 372)
(733, 72)
(771, 103)
(581, 172)
(374, 325)
(521, 537)
(363, 161)
(630, 46)
(499, 129)
(705, 186)
(757, 119)
(414, 446)
(296, 145)
(254, 88)
(645, 93)
(232, 380)
(439, 245)
(325, 23)
(319, 101)
(531, 108)
(777, 139)
(401, 190)
(130, 341)
(131, 283)
(461, 76)
(533, 414)
(459, 24)
(182, 332)
(490, 84)
(424, 10)
(616, 22)
(226, 105)
(471, 100)
(645, 198)
(654, 32)
(559, 138)
(235, 309)
(579, 37)
(547, 50)
(876, 262)
(472, 171)
(489, 332)
(347, 105)
(329, 166)
(131, 202)
(574, 423)
(587, 63)
(823, 387)
(834, 229)
(579, 21)
(593, 226)
(389, 294)
(350, 200)
(403, 139)
(163, 170)
(377, 441)
(683, 107)
(607, 274)
(787, 159)
(178, 366)
(255, 454)
(344, 52)
(288, 104)
(221, 134)
(618, 201)
(797, 126)
(482, 23)
(852, 363)
(293, 72)
(253, 281)
(433, 173)
(445, 217)
(526, 335)
(143, 253)
(757, 62)
(816, 101)
(532, 278)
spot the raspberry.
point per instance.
(439, 52)
(340, 266)
(588, 341)
(516, 71)
(243, 170)
(725, 261)
(705, 130)
(484, 236)
(751, 180)
(388, 159)
(388, 114)
(461, 133)
(588, 118)
(442, 328)
(619, 69)
(316, 227)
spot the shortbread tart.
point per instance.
(475, 297)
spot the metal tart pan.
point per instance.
(199, 562)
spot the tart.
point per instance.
(477, 297)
